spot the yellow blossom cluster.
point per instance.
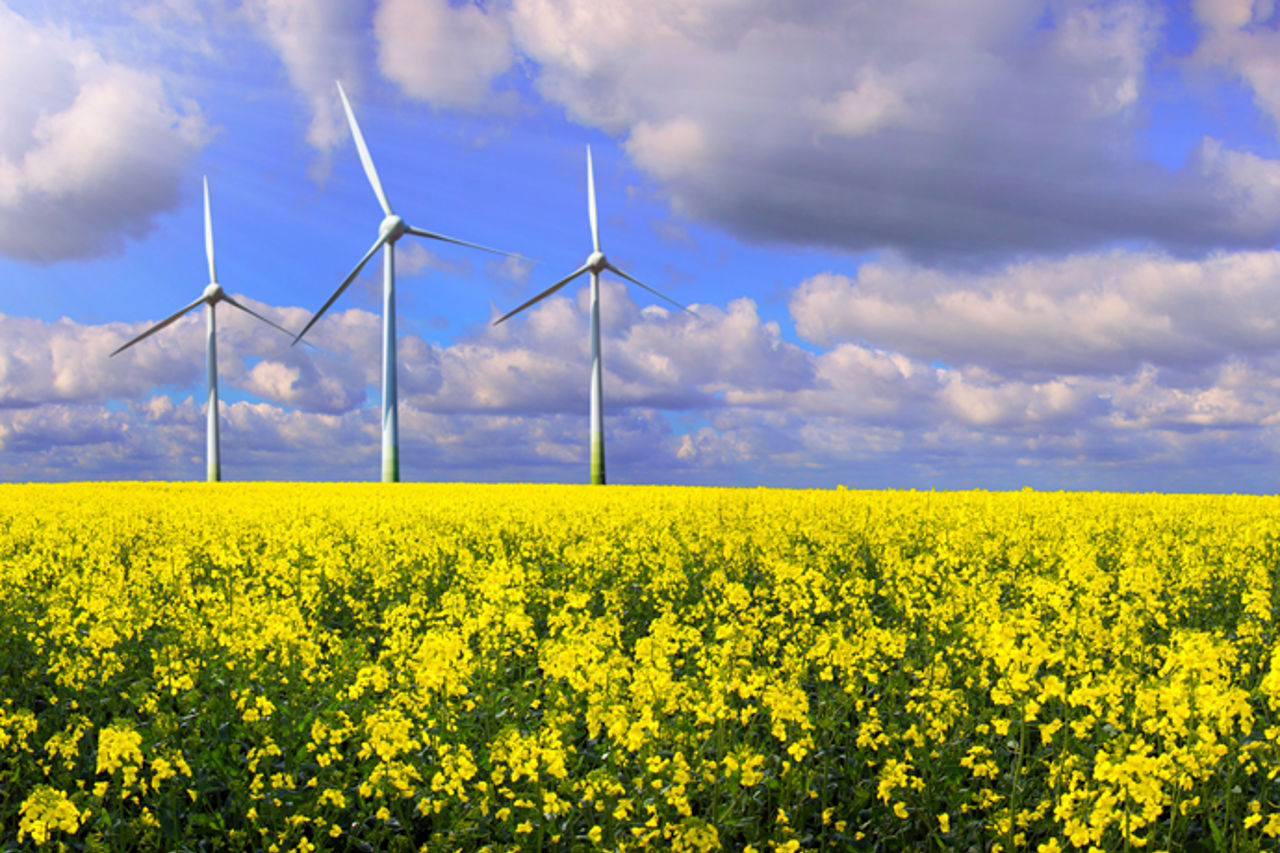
(446, 667)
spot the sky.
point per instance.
(944, 244)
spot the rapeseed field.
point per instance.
(358, 668)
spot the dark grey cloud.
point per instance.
(945, 198)
(947, 130)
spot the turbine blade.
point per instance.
(591, 202)
(172, 318)
(345, 283)
(611, 268)
(250, 311)
(544, 294)
(370, 172)
(208, 233)
(433, 236)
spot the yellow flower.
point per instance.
(118, 750)
(45, 810)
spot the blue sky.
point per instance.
(987, 243)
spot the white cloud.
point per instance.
(1242, 37)
(979, 400)
(1247, 185)
(332, 378)
(413, 258)
(862, 109)
(869, 385)
(441, 52)
(540, 361)
(152, 440)
(69, 362)
(1223, 14)
(38, 429)
(511, 270)
(1104, 313)
(1109, 46)
(724, 399)
(670, 148)
(1235, 396)
(318, 41)
(91, 151)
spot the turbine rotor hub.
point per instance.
(596, 262)
(393, 228)
(213, 292)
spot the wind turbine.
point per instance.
(391, 230)
(213, 294)
(595, 264)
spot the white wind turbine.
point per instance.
(595, 264)
(213, 294)
(391, 230)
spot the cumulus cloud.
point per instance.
(978, 399)
(441, 52)
(1236, 396)
(413, 258)
(857, 111)
(1241, 37)
(156, 439)
(333, 377)
(69, 362)
(970, 129)
(976, 129)
(318, 41)
(967, 394)
(1099, 313)
(91, 151)
(943, 129)
(60, 441)
(652, 358)
(1247, 185)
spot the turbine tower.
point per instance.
(213, 294)
(391, 230)
(595, 264)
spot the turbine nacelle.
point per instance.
(392, 228)
(596, 262)
(211, 296)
